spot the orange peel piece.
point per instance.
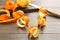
(18, 13)
(23, 21)
(5, 15)
(41, 21)
(23, 3)
(42, 12)
(10, 5)
(34, 31)
(9, 20)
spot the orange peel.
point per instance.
(23, 21)
(41, 21)
(15, 16)
(18, 13)
(34, 31)
(4, 14)
(42, 12)
(23, 3)
(10, 5)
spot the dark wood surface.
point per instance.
(50, 32)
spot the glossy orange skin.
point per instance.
(18, 13)
(9, 20)
(4, 17)
(10, 5)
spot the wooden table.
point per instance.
(50, 32)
